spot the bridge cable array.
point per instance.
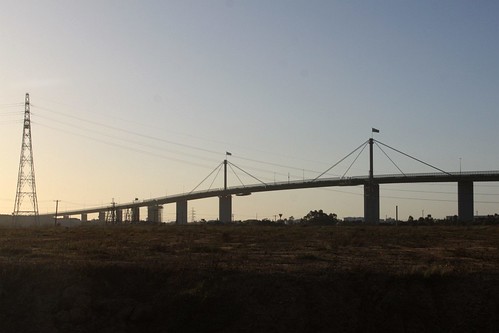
(233, 171)
(247, 173)
(231, 166)
(416, 159)
(344, 158)
(360, 152)
(378, 143)
(402, 172)
(218, 167)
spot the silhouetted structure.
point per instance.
(26, 187)
(371, 184)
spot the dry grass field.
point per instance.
(205, 278)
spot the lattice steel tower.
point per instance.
(26, 187)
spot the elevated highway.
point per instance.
(464, 180)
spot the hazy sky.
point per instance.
(140, 99)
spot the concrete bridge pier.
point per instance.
(119, 216)
(154, 213)
(225, 208)
(371, 203)
(84, 217)
(182, 212)
(135, 214)
(102, 216)
(465, 201)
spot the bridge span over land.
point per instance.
(371, 185)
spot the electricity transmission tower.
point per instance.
(26, 187)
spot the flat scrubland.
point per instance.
(230, 278)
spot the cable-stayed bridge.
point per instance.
(371, 184)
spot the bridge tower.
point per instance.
(225, 200)
(26, 187)
(371, 192)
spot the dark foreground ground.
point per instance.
(249, 279)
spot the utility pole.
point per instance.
(26, 186)
(56, 208)
(113, 212)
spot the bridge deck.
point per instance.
(474, 176)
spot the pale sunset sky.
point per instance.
(141, 99)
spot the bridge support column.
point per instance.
(135, 214)
(102, 217)
(371, 203)
(465, 201)
(119, 216)
(154, 214)
(84, 217)
(182, 212)
(225, 208)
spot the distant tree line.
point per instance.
(319, 217)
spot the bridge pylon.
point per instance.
(371, 192)
(225, 200)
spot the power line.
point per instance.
(147, 137)
(132, 132)
(182, 144)
(10, 105)
(409, 198)
(437, 192)
(273, 164)
(145, 145)
(113, 137)
(154, 138)
(125, 147)
(204, 139)
(151, 146)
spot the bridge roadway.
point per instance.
(465, 182)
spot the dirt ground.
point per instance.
(229, 278)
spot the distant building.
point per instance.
(389, 220)
(350, 219)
